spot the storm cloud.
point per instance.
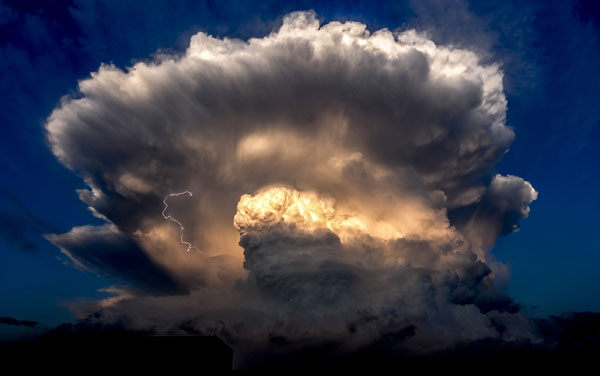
(343, 189)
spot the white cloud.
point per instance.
(345, 153)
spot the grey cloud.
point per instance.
(509, 196)
(297, 268)
(502, 206)
(109, 252)
(313, 277)
(15, 322)
(359, 163)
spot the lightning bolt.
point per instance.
(169, 217)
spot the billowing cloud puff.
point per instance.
(343, 187)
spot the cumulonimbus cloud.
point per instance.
(343, 181)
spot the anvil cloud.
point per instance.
(343, 180)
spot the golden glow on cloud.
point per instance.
(307, 211)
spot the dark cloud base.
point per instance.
(113, 253)
(571, 340)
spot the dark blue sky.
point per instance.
(549, 50)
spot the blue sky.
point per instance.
(549, 51)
